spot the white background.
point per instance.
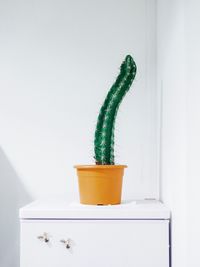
(57, 61)
(172, 83)
(178, 32)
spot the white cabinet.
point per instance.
(88, 236)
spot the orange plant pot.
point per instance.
(100, 184)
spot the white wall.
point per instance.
(192, 29)
(57, 62)
(179, 81)
(171, 81)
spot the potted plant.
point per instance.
(101, 184)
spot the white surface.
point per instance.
(60, 209)
(96, 243)
(58, 60)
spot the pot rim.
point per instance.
(117, 166)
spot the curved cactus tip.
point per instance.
(128, 59)
(128, 63)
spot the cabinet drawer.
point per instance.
(95, 243)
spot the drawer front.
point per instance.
(95, 243)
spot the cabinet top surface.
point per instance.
(59, 208)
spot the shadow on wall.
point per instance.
(12, 196)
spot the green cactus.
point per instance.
(104, 134)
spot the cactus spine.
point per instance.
(104, 134)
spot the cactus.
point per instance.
(104, 134)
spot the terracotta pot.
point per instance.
(100, 184)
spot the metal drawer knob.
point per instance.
(44, 237)
(66, 242)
